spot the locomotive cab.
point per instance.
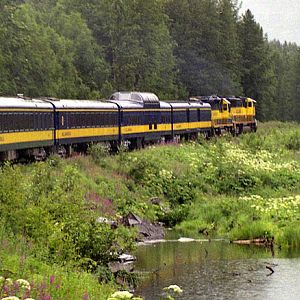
(221, 113)
(243, 113)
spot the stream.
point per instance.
(218, 270)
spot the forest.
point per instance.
(174, 48)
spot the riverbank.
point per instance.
(244, 187)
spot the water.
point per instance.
(218, 270)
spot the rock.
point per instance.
(146, 230)
(104, 220)
(131, 220)
(116, 266)
(126, 257)
(155, 201)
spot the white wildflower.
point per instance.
(122, 295)
(23, 284)
(9, 281)
(175, 288)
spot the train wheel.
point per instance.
(218, 131)
(240, 129)
(61, 151)
(233, 130)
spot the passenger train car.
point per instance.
(35, 128)
(26, 127)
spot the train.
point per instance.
(35, 128)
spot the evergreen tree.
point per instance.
(258, 74)
(136, 42)
(207, 49)
(284, 58)
(296, 89)
(228, 54)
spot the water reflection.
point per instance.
(218, 270)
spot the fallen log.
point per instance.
(261, 241)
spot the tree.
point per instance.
(229, 52)
(207, 51)
(258, 75)
(284, 57)
(296, 88)
(136, 42)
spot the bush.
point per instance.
(99, 152)
(253, 230)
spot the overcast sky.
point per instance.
(280, 19)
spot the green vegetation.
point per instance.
(175, 48)
(242, 187)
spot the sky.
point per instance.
(280, 19)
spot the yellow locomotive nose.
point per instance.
(243, 113)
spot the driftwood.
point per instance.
(270, 269)
(261, 241)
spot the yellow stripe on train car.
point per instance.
(26, 136)
(86, 132)
(191, 125)
(145, 128)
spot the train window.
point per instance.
(94, 120)
(17, 121)
(104, 119)
(165, 118)
(35, 121)
(188, 115)
(107, 118)
(82, 120)
(47, 119)
(3, 122)
(224, 107)
(31, 121)
(12, 122)
(7, 122)
(97, 119)
(249, 104)
(70, 119)
(73, 120)
(89, 119)
(66, 120)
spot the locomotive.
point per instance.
(35, 128)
